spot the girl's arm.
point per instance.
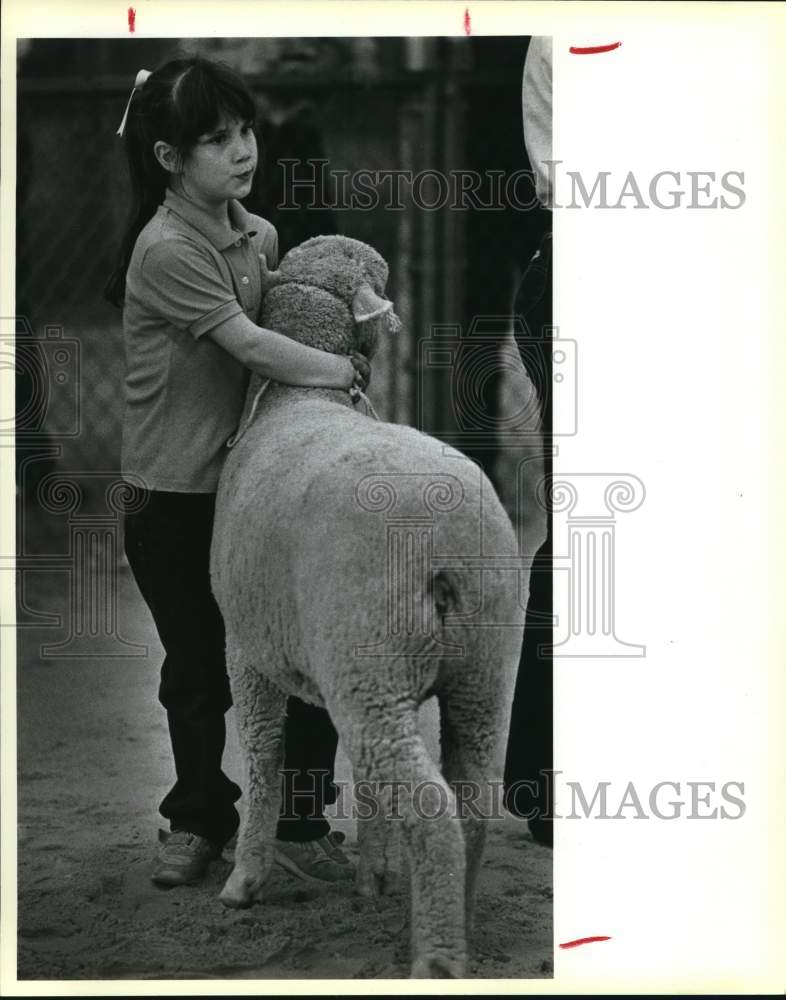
(278, 357)
(180, 282)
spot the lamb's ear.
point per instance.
(368, 305)
(268, 279)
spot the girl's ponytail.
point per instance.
(143, 119)
(148, 185)
(177, 103)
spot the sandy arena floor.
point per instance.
(93, 765)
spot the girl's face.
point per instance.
(222, 163)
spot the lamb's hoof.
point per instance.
(438, 967)
(240, 891)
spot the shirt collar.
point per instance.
(220, 234)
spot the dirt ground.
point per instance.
(93, 765)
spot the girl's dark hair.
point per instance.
(180, 101)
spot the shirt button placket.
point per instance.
(245, 280)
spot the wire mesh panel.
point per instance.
(73, 198)
(357, 136)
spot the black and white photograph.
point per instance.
(363, 609)
(392, 396)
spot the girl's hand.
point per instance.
(362, 370)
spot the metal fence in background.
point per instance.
(332, 105)
(72, 202)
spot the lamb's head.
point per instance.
(329, 293)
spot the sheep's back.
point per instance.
(320, 512)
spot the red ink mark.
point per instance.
(467, 23)
(587, 940)
(592, 50)
(131, 18)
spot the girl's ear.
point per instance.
(167, 156)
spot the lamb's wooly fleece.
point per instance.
(324, 598)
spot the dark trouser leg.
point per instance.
(530, 753)
(310, 742)
(168, 547)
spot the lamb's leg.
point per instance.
(384, 746)
(260, 708)
(464, 736)
(474, 725)
(437, 863)
(376, 840)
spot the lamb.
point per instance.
(364, 567)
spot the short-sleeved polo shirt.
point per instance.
(184, 393)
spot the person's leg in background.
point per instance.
(530, 752)
(311, 741)
(304, 844)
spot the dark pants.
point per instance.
(168, 547)
(529, 762)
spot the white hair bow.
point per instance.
(141, 77)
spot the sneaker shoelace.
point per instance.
(184, 842)
(333, 848)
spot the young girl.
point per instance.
(189, 285)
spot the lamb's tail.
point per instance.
(444, 588)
